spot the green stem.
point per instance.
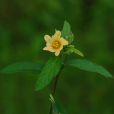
(54, 88)
(65, 59)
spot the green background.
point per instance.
(23, 24)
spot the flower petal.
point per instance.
(61, 47)
(57, 53)
(48, 44)
(49, 49)
(63, 41)
(47, 38)
(56, 36)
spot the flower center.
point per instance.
(56, 44)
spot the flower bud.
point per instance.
(70, 37)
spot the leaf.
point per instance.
(51, 68)
(58, 108)
(70, 49)
(66, 29)
(55, 108)
(23, 67)
(89, 66)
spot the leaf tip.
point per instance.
(110, 76)
(36, 88)
(82, 55)
(2, 71)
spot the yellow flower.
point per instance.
(55, 43)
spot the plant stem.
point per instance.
(55, 84)
(65, 59)
(54, 88)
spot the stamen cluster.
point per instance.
(56, 44)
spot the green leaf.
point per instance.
(51, 68)
(88, 66)
(53, 105)
(70, 49)
(23, 67)
(66, 29)
(58, 108)
(55, 108)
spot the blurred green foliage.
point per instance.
(23, 25)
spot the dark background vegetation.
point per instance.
(23, 24)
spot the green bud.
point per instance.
(51, 99)
(70, 37)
